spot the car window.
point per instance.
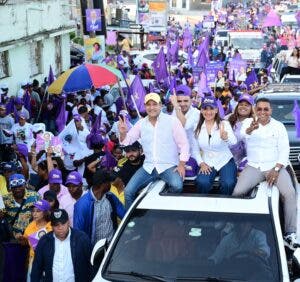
(222, 33)
(186, 244)
(291, 80)
(150, 57)
(282, 110)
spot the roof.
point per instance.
(154, 199)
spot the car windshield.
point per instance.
(247, 43)
(188, 245)
(282, 110)
(291, 80)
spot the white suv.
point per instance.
(192, 237)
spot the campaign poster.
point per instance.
(212, 69)
(152, 14)
(237, 70)
(93, 20)
(94, 49)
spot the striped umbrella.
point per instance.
(84, 77)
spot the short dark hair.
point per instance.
(263, 99)
(82, 110)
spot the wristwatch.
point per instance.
(276, 168)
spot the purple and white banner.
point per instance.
(212, 69)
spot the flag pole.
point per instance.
(134, 103)
(122, 95)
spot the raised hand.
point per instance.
(223, 132)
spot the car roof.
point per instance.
(291, 89)
(155, 199)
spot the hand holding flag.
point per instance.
(223, 132)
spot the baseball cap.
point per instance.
(2, 106)
(183, 90)
(9, 166)
(133, 147)
(16, 180)
(59, 216)
(22, 149)
(246, 97)
(55, 176)
(22, 116)
(74, 177)
(101, 177)
(152, 96)
(209, 101)
(18, 101)
(42, 205)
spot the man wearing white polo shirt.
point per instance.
(268, 148)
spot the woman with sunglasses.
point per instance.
(243, 110)
(39, 226)
(213, 138)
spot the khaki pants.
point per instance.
(251, 176)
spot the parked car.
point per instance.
(222, 37)
(282, 99)
(185, 237)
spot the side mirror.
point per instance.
(99, 249)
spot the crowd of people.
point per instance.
(63, 187)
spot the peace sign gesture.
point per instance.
(223, 132)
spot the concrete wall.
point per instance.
(26, 22)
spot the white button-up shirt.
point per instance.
(62, 269)
(267, 145)
(164, 144)
(214, 151)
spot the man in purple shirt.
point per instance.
(165, 146)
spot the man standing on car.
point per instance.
(165, 146)
(267, 146)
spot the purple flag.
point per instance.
(296, 113)
(173, 49)
(108, 161)
(159, 66)
(151, 88)
(220, 108)
(61, 118)
(190, 57)
(272, 19)
(173, 84)
(50, 76)
(233, 76)
(202, 54)
(95, 130)
(251, 80)
(187, 38)
(138, 94)
(269, 69)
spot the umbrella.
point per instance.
(84, 77)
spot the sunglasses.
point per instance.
(17, 182)
(263, 109)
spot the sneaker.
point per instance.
(291, 242)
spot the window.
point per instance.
(58, 58)
(174, 4)
(183, 4)
(35, 53)
(4, 70)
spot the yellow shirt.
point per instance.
(31, 229)
(3, 188)
(120, 196)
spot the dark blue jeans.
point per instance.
(228, 178)
(142, 178)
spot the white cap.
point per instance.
(24, 83)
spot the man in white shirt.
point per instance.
(62, 255)
(184, 111)
(165, 146)
(267, 147)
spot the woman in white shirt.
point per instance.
(211, 150)
(243, 110)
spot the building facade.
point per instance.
(33, 36)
